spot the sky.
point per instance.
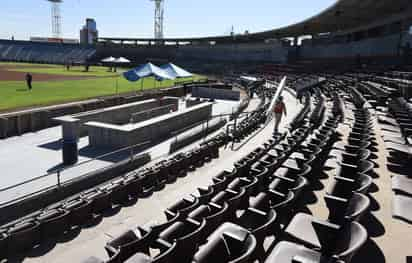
(134, 18)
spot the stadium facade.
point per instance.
(351, 31)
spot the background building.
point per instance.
(89, 33)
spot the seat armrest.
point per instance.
(337, 208)
(328, 234)
(349, 158)
(302, 259)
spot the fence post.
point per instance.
(207, 127)
(234, 132)
(58, 179)
(131, 153)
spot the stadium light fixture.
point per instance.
(56, 17)
(158, 19)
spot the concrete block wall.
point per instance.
(4, 127)
(112, 115)
(195, 134)
(270, 52)
(17, 123)
(191, 103)
(39, 120)
(222, 94)
(153, 130)
(147, 115)
(371, 47)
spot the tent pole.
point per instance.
(117, 85)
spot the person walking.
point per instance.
(29, 79)
(251, 92)
(279, 109)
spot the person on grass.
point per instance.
(29, 79)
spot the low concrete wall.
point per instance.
(211, 93)
(191, 103)
(19, 209)
(173, 92)
(20, 122)
(149, 114)
(154, 130)
(73, 125)
(195, 134)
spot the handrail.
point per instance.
(59, 171)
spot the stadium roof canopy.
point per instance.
(341, 16)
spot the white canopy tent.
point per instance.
(176, 71)
(121, 60)
(108, 60)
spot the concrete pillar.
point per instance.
(71, 129)
(70, 141)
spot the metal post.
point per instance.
(58, 179)
(117, 85)
(131, 153)
(207, 127)
(234, 132)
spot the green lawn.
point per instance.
(14, 94)
(61, 70)
(74, 71)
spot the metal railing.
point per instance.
(130, 150)
(58, 172)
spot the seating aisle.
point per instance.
(90, 240)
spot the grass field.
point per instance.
(96, 82)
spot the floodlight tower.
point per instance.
(56, 17)
(158, 19)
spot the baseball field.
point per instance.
(54, 84)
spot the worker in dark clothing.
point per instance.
(299, 95)
(29, 79)
(251, 92)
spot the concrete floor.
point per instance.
(35, 154)
(90, 240)
(390, 239)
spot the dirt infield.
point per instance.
(7, 74)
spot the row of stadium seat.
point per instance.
(44, 52)
(338, 238)
(253, 176)
(25, 233)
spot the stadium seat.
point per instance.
(23, 236)
(331, 239)
(182, 208)
(128, 243)
(80, 210)
(214, 215)
(260, 224)
(229, 243)
(54, 222)
(187, 234)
